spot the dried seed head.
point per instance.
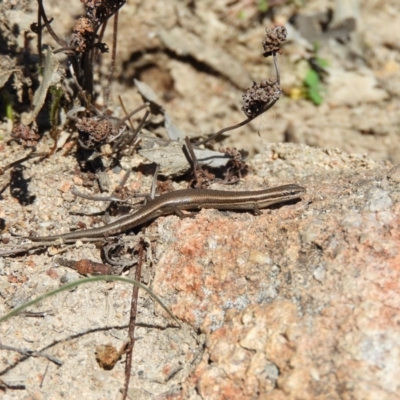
(259, 96)
(94, 132)
(26, 135)
(83, 26)
(274, 38)
(82, 31)
(98, 11)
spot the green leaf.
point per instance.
(322, 62)
(312, 78)
(315, 96)
(241, 14)
(313, 86)
(57, 93)
(262, 6)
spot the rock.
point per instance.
(333, 323)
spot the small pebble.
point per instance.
(319, 273)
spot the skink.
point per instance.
(186, 199)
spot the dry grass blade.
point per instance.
(84, 281)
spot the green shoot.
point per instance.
(262, 6)
(313, 83)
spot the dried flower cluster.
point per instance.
(256, 98)
(94, 132)
(274, 38)
(82, 31)
(85, 28)
(261, 97)
(26, 135)
(98, 11)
